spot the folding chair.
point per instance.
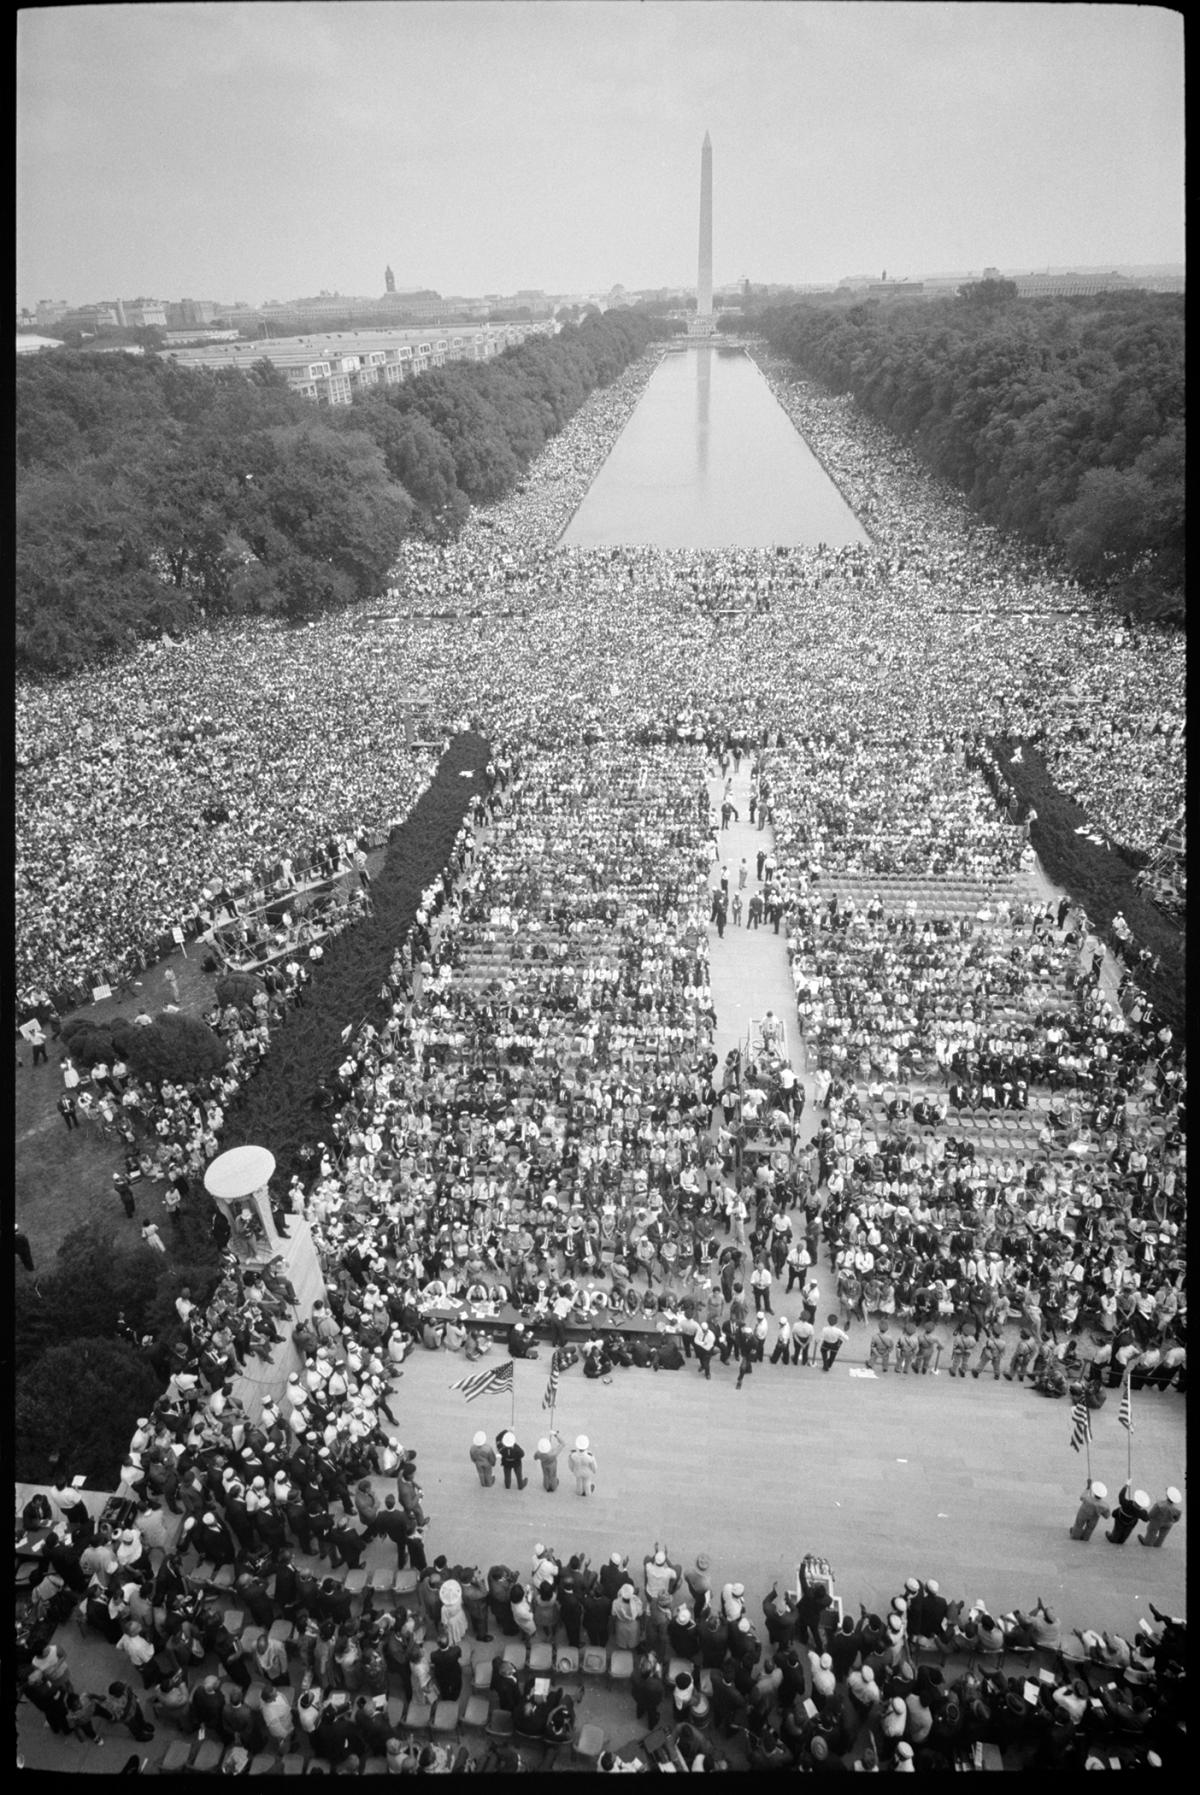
(594, 1662)
(541, 1657)
(481, 1675)
(477, 1713)
(383, 1582)
(177, 1757)
(417, 1717)
(514, 1653)
(566, 1661)
(445, 1719)
(355, 1581)
(620, 1666)
(208, 1754)
(588, 1745)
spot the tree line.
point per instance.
(152, 497)
(1060, 419)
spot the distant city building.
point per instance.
(1042, 286)
(88, 319)
(50, 311)
(422, 305)
(389, 280)
(140, 314)
(184, 312)
(896, 289)
(330, 367)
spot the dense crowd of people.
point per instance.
(137, 790)
(331, 1668)
(538, 1117)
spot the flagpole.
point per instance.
(1129, 1428)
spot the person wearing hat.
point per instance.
(879, 1352)
(1022, 1353)
(548, 1449)
(511, 1456)
(699, 1586)
(1132, 1506)
(546, 1567)
(962, 1345)
(683, 1635)
(991, 1353)
(627, 1611)
(1162, 1517)
(1092, 1508)
(582, 1463)
(613, 1573)
(745, 1647)
(893, 1651)
(659, 1575)
(893, 1719)
(863, 1690)
(210, 1539)
(906, 1347)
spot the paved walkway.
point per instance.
(749, 968)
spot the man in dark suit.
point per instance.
(446, 1664)
(346, 1543)
(393, 1524)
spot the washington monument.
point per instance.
(704, 277)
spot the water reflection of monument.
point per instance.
(704, 354)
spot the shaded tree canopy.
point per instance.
(152, 496)
(1060, 419)
(173, 1046)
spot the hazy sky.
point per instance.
(270, 150)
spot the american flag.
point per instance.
(500, 1377)
(551, 1396)
(1081, 1426)
(1125, 1412)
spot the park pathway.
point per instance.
(750, 973)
